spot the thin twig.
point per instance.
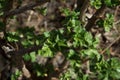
(110, 45)
(117, 22)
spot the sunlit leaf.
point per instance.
(33, 56)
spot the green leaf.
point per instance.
(37, 42)
(57, 38)
(108, 2)
(39, 73)
(91, 53)
(46, 51)
(88, 38)
(43, 10)
(96, 3)
(108, 22)
(96, 42)
(15, 75)
(30, 35)
(62, 43)
(47, 34)
(12, 37)
(27, 43)
(106, 77)
(85, 77)
(73, 22)
(61, 31)
(33, 56)
(71, 53)
(112, 3)
(27, 57)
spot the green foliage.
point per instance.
(107, 69)
(42, 10)
(13, 37)
(107, 23)
(27, 57)
(110, 3)
(74, 42)
(16, 75)
(67, 40)
(45, 51)
(96, 3)
(82, 40)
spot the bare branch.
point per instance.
(21, 52)
(83, 9)
(95, 17)
(25, 8)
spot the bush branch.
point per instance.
(95, 17)
(83, 9)
(25, 8)
(23, 51)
